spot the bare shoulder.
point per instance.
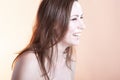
(27, 68)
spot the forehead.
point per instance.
(76, 9)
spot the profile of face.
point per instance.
(75, 27)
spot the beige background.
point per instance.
(98, 56)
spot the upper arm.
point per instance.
(27, 68)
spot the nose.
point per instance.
(81, 24)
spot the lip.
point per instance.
(77, 34)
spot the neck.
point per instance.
(61, 48)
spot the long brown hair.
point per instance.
(51, 25)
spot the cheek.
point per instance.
(71, 28)
(70, 32)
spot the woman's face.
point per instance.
(75, 27)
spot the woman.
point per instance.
(49, 54)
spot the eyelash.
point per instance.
(76, 18)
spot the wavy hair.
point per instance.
(51, 25)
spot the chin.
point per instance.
(75, 44)
(71, 43)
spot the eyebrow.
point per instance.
(77, 15)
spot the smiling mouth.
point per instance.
(77, 34)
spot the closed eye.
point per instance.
(74, 19)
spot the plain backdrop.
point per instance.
(98, 55)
